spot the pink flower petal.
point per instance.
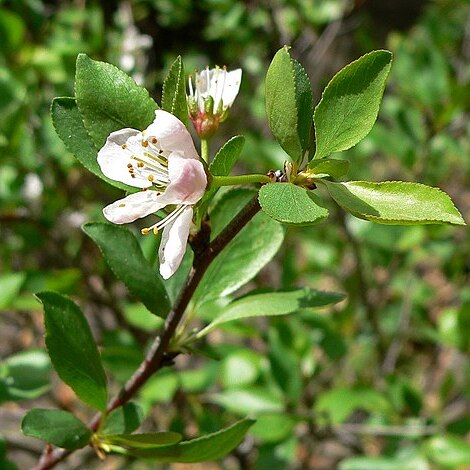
(171, 134)
(174, 241)
(188, 180)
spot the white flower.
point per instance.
(211, 96)
(163, 161)
(217, 83)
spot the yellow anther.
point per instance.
(145, 231)
(155, 230)
(124, 146)
(150, 178)
(140, 165)
(145, 143)
(154, 140)
(129, 165)
(122, 204)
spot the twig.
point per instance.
(159, 354)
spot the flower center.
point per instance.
(147, 160)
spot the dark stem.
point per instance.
(159, 355)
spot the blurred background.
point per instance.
(379, 382)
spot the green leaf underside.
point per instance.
(123, 420)
(350, 103)
(244, 256)
(273, 304)
(227, 156)
(72, 349)
(291, 204)
(203, 449)
(57, 427)
(395, 202)
(122, 252)
(289, 103)
(330, 166)
(109, 100)
(143, 441)
(69, 126)
(174, 92)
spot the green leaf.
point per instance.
(122, 252)
(143, 441)
(289, 104)
(174, 92)
(291, 204)
(57, 427)
(273, 427)
(244, 256)
(222, 165)
(272, 304)
(123, 420)
(448, 451)
(395, 202)
(69, 126)
(109, 100)
(25, 375)
(203, 449)
(330, 166)
(339, 403)
(350, 103)
(10, 285)
(72, 349)
(227, 156)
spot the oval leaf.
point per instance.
(291, 204)
(245, 255)
(395, 202)
(330, 166)
(25, 375)
(289, 104)
(174, 92)
(72, 349)
(69, 126)
(123, 420)
(350, 103)
(109, 100)
(57, 427)
(273, 304)
(143, 441)
(122, 252)
(448, 451)
(227, 156)
(222, 165)
(203, 449)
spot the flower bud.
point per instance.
(210, 98)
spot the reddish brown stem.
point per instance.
(158, 356)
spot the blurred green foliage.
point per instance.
(380, 381)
